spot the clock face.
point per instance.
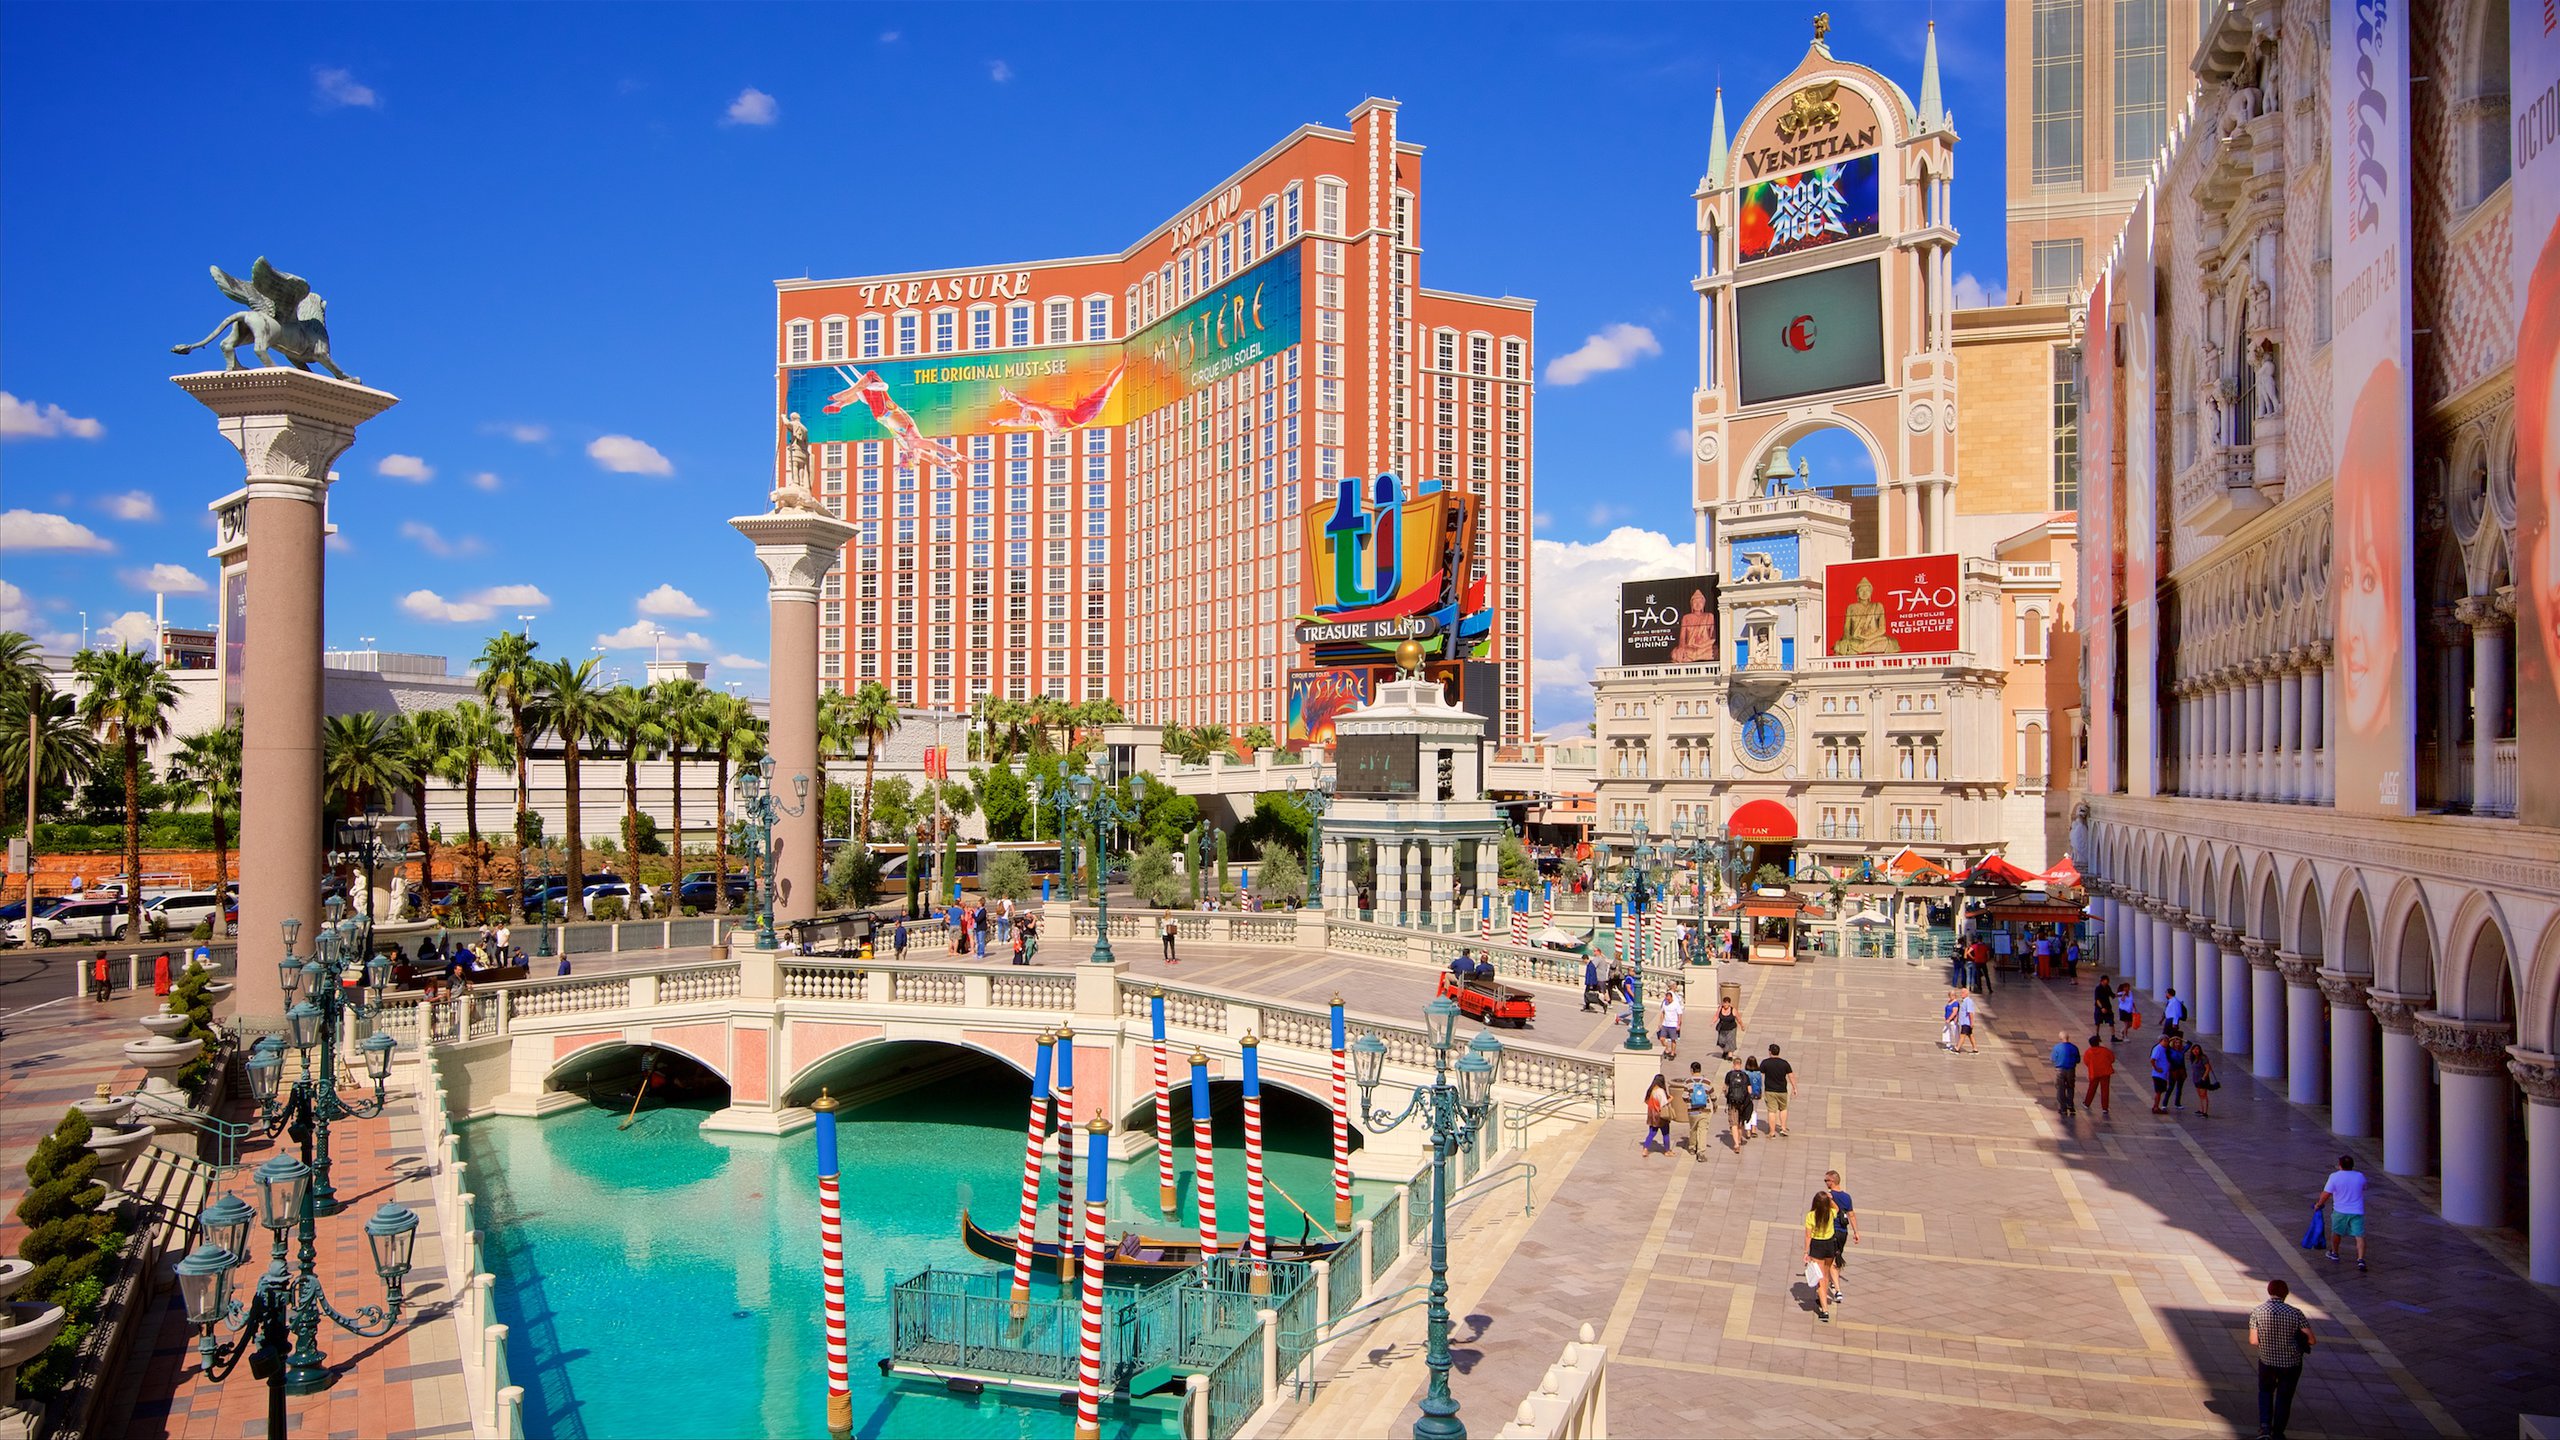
(1764, 736)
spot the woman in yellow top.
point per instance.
(1822, 1244)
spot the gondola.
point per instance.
(1131, 1258)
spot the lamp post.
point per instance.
(1640, 894)
(361, 847)
(1318, 799)
(1071, 856)
(344, 984)
(1707, 856)
(1092, 803)
(1452, 1111)
(759, 811)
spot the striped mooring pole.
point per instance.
(1257, 1239)
(831, 1266)
(1064, 1088)
(1203, 1157)
(1089, 1317)
(1031, 1156)
(1342, 1118)
(1547, 906)
(1166, 1198)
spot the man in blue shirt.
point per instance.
(2162, 1062)
(1591, 996)
(1847, 1210)
(2173, 1014)
(2066, 1066)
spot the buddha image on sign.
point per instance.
(1697, 642)
(1862, 626)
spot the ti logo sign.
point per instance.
(1357, 532)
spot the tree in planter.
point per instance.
(855, 876)
(191, 999)
(1517, 867)
(1007, 877)
(71, 1243)
(1151, 876)
(1284, 880)
(1222, 862)
(206, 771)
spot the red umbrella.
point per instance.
(2063, 873)
(1999, 871)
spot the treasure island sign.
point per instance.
(1822, 121)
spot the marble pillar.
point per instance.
(797, 548)
(2306, 1069)
(2488, 624)
(2164, 942)
(2182, 961)
(2232, 981)
(2408, 1112)
(2288, 732)
(289, 427)
(2350, 1054)
(2471, 1062)
(2207, 996)
(2540, 1076)
(2266, 1011)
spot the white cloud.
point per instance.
(888, 37)
(512, 595)
(340, 545)
(1973, 294)
(134, 505)
(641, 635)
(626, 456)
(405, 467)
(671, 603)
(27, 420)
(485, 480)
(521, 432)
(38, 530)
(754, 107)
(167, 580)
(336, 89)
(132, 630)
(15, 612)
(1615, 348)
(739, 662)
(428, 605)
(1576, 625)
(999, 72)
(428, 538)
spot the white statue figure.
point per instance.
(2210, 390)
(797, 492)
(2263, 364)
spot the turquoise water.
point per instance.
(661, 1282)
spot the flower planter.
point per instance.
(103, 1110)
(14, 1273)
(117, 1149)
(215, 990)
(165, 1025)
(161, 1058)
(25, 1329)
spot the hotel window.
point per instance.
(1018, 324)
(870, 336)
(946, 330)
(1226, 253)
(909, 325)
(1514, 360)
(834, 333)
(2031, 634)
(2066, 431)
(797, 348)
(1329, 206)
(1291, 219)
(1097, 318)
(982, 328)
(2142, 85)
(2057, 93)
(1244, 243)
(1061, 321)
(2053, 268)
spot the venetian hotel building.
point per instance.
(1086, 477)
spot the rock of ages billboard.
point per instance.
(1391, 570)
(1667, 622)
(1808, 334)
(1821, 206)
(1892, 607)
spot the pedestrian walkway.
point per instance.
(2019, 1274)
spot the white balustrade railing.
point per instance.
(1571, 1401)
(496, 1405)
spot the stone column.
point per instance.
(2306, 1074)
(2288, 784)
(2350, 1054)
(2471, 1061)
(1390, 882)
(2182, 959)
(2266, 1010)
(2233, 983)
(2540, 1076)
(289, 427)
(2327, 692)
(2162, 954)
(2488, 680)
(2207, 997)
(2270, 729)
(2408, 1121)
(797, 548)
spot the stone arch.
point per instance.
(2355, 933)
(2481, 145)
(2235, 892)
(2538, 1027)
(2270, 926)
(800, 1078)
(598, 1048)
(2309, 931)
(2406, 964)
(2208, 883)
(1139, 1116)
(2478, 980)
(2180, 864)
(1781, 436)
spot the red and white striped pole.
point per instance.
(831, 1266)
(1341, 1122)
(1547, 907)
(1025, 1229)
(1484, 916)
(1257, 1238)
(1167, 1200)
(1065, 1127)
(1089, 1318)
(1520, 925)
(1203, 1157)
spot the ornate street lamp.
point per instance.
(1318, 799)
(759, 811)
(1453, 1110)
(361, 847)
(1082, 799)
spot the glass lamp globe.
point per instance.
(1368, 1059)
(393, 1233)
(1138, 787)
(204, 1280)
(1491, 1049)
(1440, 1022)
(302, 1025)
(283, 1182)
(264, 1069)
(1475, 1080)
(226, 1225)
(377, 1048)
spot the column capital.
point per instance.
(2261, 953)
(2466, 1047)
(2537, 1073)
(2343, 989)
(289, 426)
(797, 549)
(2300, 971)
(2482, 612)
(2203, 928)
(2319, 651)
(2175, 915)
(2226, 937)
(2395, 1013)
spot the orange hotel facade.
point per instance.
(1154, 555)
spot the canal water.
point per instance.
(663, 1282)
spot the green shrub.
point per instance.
(1280, 878)
(608, 908)
(1153, 879)
(203, 930)
(70, 1242)
(854, 876)
(1008, 877)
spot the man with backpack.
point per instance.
(1675, 1110)
(1702, 1105)
(1737, 1103)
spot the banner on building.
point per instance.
(1809, 209)
(2371, 571)
(2100, 493)
(919, 401)
(2141, 538)
(2533, 49)
(1384, 569)
(1810, 334)
(235, 636)
(1317, 698)
(1907, 606)
(1667, 622)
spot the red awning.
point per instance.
(2064, 873)
(1763, 820)
(1999, 871)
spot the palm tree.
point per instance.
(206, 771)
(475, 740)
(873, 714)
(41, 737)
(1093, 715)
(1257, 737)
(506, 682)
(129, 702)
(362, 759)
(575, 707)
(679, 706)
(731, 732)
(422, 736)
(630, 718)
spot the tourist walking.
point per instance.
(2282, 1336)
(1673, 1007)
(1848, 1210)
(1728, 1030)
(898, 938)
(1822, 1246)
(102, 979)
(1980, 963)
(2102, 1007)
(506, 944)
(1656, 1121)
(1592, 998)
(1965, 1011)
(1777, 1077)
(2066, 1068)
(2128, 1008)
(160, 974)
(2200, 1075)
(1170, 930)
(1675, 1113)
(1702, 1106)
(1759, 1093)
(2071, 959)
(2173, 1013)
(2177, 1069)
(2101, 1061)
(1737, 1103)
(2344, 1195)
(1954, 1006)
(2160, 1063)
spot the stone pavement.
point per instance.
(2019, 1274)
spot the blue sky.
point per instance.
(553, 230)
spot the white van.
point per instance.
(179, 912)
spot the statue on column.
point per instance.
(798, 491)
(2263, 370)
(278, 312)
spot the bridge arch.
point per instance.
(877, 1061)
(600, 1055)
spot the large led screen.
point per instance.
(1821, 206)
(1378, 767)
(1808, 334)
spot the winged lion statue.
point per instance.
(279, 313)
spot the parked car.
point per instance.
(176, 914)
(606, 887)
(81, 919)
(701, 895)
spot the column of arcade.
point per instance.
(2258, 729)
